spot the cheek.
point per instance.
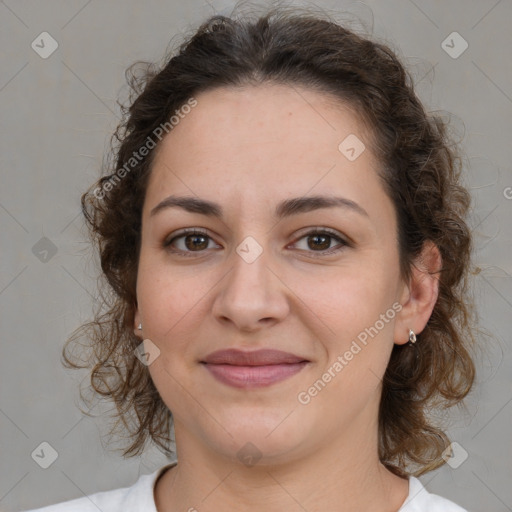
(353, 318)
(348, 297)
(173, 304)
(163, 292)
(170, 307)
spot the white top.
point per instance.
(139, 497)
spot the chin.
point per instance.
(269, 440)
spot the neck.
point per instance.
(341, 475)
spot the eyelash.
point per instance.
(317, 231)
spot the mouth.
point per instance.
(254, 369)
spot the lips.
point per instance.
(261, 357)
(254, 369)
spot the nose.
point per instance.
(251, 295)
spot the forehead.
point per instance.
(230, 119)
(264, 143)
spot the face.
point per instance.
(320, 282)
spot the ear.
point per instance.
(419, 296)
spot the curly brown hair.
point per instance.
(420, 171)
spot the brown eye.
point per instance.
(319, 241)
(192, 240)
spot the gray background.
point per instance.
(57, 115)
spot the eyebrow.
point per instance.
(285, 208)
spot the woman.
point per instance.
(284, 234)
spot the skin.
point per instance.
(247, 149)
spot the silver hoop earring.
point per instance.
(140, 327)
(412, 337)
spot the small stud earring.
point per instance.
(140, 327)
(412, 337)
